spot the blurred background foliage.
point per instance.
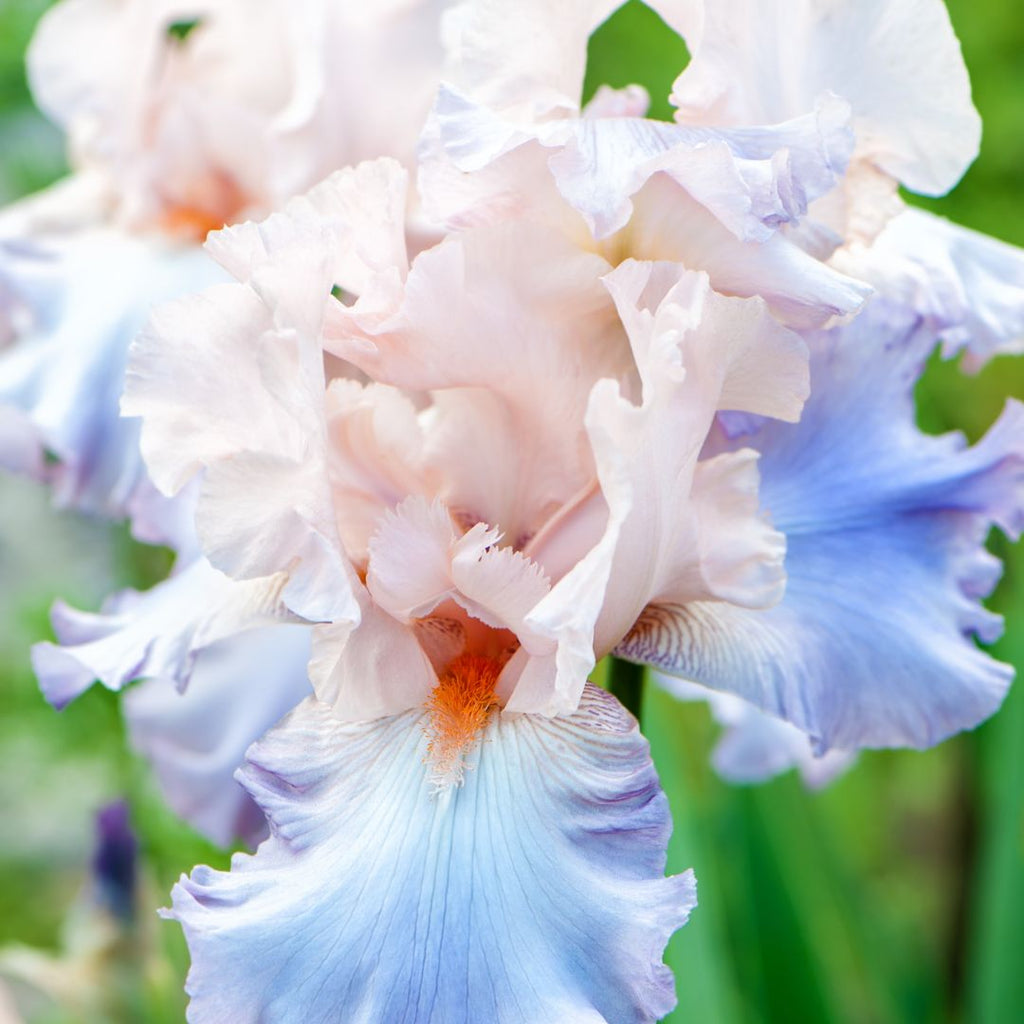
(897, 894)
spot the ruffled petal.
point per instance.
(377, 669)
(418, 560)
(151, 634)
(755, 747)
(263, 98)
(533, 892)
(530, 65)
(672, 527)
(376, 444)
(885, 526)
(800, 290)
(196, 740)
(508, 326)
(896, 62)
(258, 433)
(718, 227)
(968, 286)
(752, 179)
(410, 570)
(347, 232)
(60, 382)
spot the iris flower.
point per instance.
(651, 395)
(473, 527)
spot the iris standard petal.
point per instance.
(534, 892)
(752, 179)
(265, 505)
(896, 62)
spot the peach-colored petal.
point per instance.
(508, 327)
(674, 526)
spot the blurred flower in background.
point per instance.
(106, 949)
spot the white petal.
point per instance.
(529, 64)
(897, 63)
(61, 380)
(379, 668)
(670, 527)
(509, 326)
(410, 569)
(224, 390)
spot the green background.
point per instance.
(895, 895)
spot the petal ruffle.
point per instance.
(533, 892)
(885, 527)
(752, 179)
(712, 203)
(262, 100)
(673, 526)
(258, 435)
(967, 286)
(508, 326)
(155, 634)
(754, 746)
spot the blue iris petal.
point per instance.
(534, 892)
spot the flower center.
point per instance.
(459, 708)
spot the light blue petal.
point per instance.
(532, 893)
(755, 746)
(196, 740)
(873, 642)
(64, 377)
(969, 286)
(152, 634)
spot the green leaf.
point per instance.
(634, 46)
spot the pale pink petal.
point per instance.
(377, 669)
(418, 560)
(353, 223)
(261, 99)
(662, 220)
(527, 63)
(752, 179)
(223, 390)
(496, 585)
(410, 568)
(800, 290)
(508, 327)
(669, 520)
(376, 457)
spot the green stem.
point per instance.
(626, 682)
